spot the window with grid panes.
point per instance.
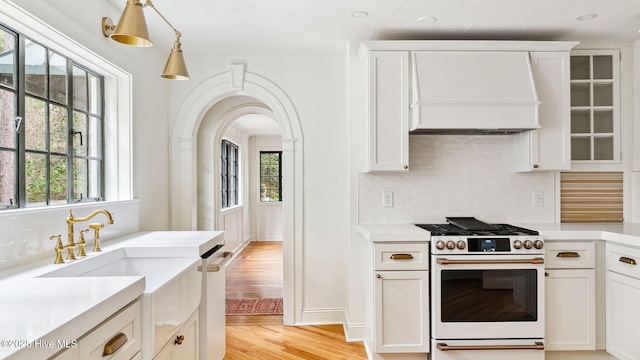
(51, 126)
(229, 174)
(270, 176)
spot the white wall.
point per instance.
(149, 94)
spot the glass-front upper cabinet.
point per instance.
(595, 106)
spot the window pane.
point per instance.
(7, 124)
(80, 175)
(57, 78)
(270, 179)
(603, 121)
(580, 94)
(8, 186)
(35, 125)
(79, 133)
(79, 89)
(35, 69)
(94, 181)
(94, 137)
(580, 68)
(95, 94)
(7, 58)
(58, 129)
(580, 121)
(58, 176)
(602, 94)
(603, 148)
(36, 178)
(603, 67)
(581, 148)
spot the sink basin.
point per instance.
(172, 289)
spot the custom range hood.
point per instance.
(473, 92)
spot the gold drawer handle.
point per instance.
(568, 254)
(627, 260)
(114, 344)
(536, 346)
(401, 257)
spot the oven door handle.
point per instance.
(536, 346)
(443, 261)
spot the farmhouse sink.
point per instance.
(172, 289)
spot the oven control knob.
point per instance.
(528, 244)
(461, 245)
(538, 244)
(517, 244)
(451, 245)
(440, 245)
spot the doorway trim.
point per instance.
(183, 206)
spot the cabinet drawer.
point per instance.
(623, 260)
(402, 256)
(570, 255)
(126, 322)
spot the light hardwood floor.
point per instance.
(257, 272)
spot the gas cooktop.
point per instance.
(470, 226)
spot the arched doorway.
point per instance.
(184, 166)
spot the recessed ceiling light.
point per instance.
(427, 20)
(587, 17)
(359, 14)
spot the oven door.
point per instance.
(487, 297)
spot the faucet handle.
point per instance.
(58, 248)
(81, 243)
(96, 235)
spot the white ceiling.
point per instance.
(257, 124)
(250, 27)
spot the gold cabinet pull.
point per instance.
(568, 254)
(114, 344)
(401, 257)
(179, 339)
(627, 260)
(536, 346)
(443, 261)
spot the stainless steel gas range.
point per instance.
(487, 291)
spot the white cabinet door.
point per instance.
(570, 310)
(185, 346)
(387, 136)
(188, 349)
(623, 317)
(548, 148)
(401, 312)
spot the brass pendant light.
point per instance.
(132, 26)
(176, 69)
(132, 30)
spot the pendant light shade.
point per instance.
(175, 69)
(132, 26)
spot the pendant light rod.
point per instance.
(149, 3)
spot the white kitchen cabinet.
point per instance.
(548, 148)
(595, 110)
(570, 296)
(623, 297)
(397, 305)
(387, 111)
(117, 338)
(402, 311)
(185, 346)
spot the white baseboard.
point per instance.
(322, 316)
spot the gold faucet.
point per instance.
(71, 220)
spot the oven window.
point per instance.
(489, 295)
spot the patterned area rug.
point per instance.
(268, 306)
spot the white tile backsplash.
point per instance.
(24, 233)
(457, 175)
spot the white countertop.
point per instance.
(625, 233)
(36, 311)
